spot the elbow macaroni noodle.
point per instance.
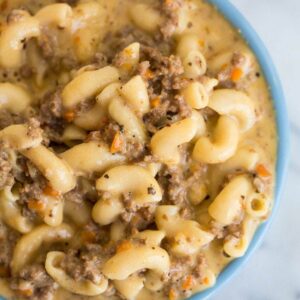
(137, 148)
(165, 142)
(135, 180)
(87, 84)
(30, 243)
(14, 98)
(187, 236)
(56, 170)
(85, 287)
(221, 146)
(13, 36)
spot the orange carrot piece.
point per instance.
(205, 281)
(236, 74)
(26, 292)
(155, 102)
(48, 190)
(69, 116)
(125, 245)
(149, 74)
(116, 144)
(172, 294)
(89, 236)
(262, 171)
(188, 283)
(36, 205)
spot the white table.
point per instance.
(273, 273)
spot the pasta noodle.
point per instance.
(165, 142)
(57, 171)
(136, 180)
(30, 243)
(86, 288)
(14, 98)
(88, 84)
(99, 159)
(13, 36)
(228, 204)
(222, 147)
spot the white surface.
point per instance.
(273, 273)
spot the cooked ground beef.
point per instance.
(100, 60)
(34, 283)
(85, 263)
(7, 119)
(117, 41)
(131, 147)
(181, 269)
(167, 113)
(170, 11)
(34, 130)
(51, 109)
(173, 183)
(8, 239)
(6, 177)
(26, 71)
(176, 187)
(84, 191)
(142, 219)
(51, 116)
(225, 75)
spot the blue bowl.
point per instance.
(265, 61)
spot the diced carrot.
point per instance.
(155, 102)
(205, 281)
(36, 205)
(262, 171)
(188, 283)
(125, 245)
(89, 236)
(4, 271)
(236, 74)
(48, 190)
(25, 292)
(149, 74)
(69, 116)
(172, 294)
(116, 144)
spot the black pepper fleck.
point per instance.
(151, 190)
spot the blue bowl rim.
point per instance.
(231, 13)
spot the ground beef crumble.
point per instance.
(85, 263)
(6, 167)
(132, 148)
(8, 239)
(34, 283)
(170, 10)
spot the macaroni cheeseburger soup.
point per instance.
(137, 148)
